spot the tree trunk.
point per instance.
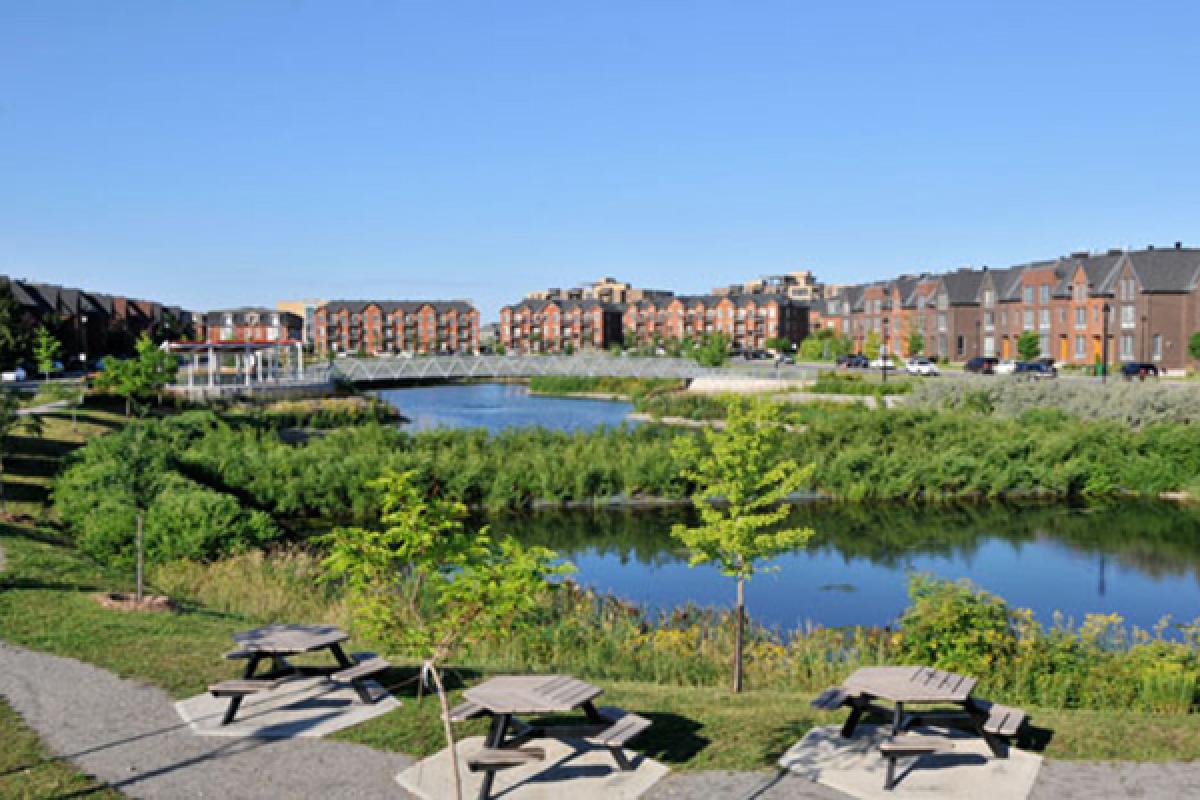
(140, 563)
(128, 406)
(435, 672)
(739, 634)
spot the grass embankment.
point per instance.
(45, 605)
(580, 386)
(29, 770)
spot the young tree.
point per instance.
(141, 377)
(1029, 346)
(426, 585)
(713, 351)
(741, 479)
(914, 342)
(46, 351)
(10, 421)
(14, 339)
(1194, 345)
(872, 345)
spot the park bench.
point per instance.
(357, 674)
(466, 710)
(624, 728)
(237, 690)
(496, 758)
(907, 745)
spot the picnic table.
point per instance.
(275, 643)
(505, 697)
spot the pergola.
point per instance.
(255, 362)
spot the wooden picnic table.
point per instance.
(505, 697)
(917, 686)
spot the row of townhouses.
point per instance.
(93, 324)
(377, 327)
(1148, 301)
(251, 324)
(750, 320)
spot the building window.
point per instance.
(1044, 319)
(989, 320)
(1044, 294)
(1044, 344)
(989, 346)
(1080, 346)
(1128, 288)
(1127, 346)
(1027, 295)
(1028, 321)
(1128, 317)
(941, 323)
(1080, 293)
(1156, 347)
(1080, 318)
(960, 345)
(989, 298)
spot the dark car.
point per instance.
(853, 361)
(983, 365)
(1034, 369)
(1139, 369)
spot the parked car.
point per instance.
(882, 363)
(15, 376)
(982, 365)
(782, 359)
(1034, 369)
(853, 361)
(1139, 369)
(920, 365)
(1005, 367)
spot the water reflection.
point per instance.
(1141, 560)
(496, 406)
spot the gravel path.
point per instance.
(129, 736)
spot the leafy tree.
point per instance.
(427, 585)
(1194, 345)
(813, 349)
(742, 479)
(1029, 346)
(713, 351)
(46, 351)
(14, 340)
(871, 345)
(138, 378)
(630, 340)
(10, 421)
(914, 342)
(779, 344)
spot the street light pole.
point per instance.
(84, 355)
(1104, 346)
(883, 362)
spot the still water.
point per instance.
(496, 406)
(1141, 560)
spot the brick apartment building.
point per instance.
(395, 326)
(252, 325)
(800, 285)
(1153, 297)
(94, 324)
(555, 326)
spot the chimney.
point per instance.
(1115, 251)
(1149, 247)
(1081, 254)
(1179, 245)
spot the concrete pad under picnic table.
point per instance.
(302, 706)
(572, 768)
(856, 767)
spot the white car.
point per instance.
(921, 366)
(882, 363)
(16, 376)
(1005, 368)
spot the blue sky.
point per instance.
(216, 153)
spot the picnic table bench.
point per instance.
(275, 643)
(923, 686)
(503, 698)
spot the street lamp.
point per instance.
(84, 355)
(1104, 345)
(1143, 338)
(883, 360)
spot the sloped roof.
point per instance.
(1174, 270)
(962, 286)
(389, 306)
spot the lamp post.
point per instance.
(1143, 338)
(883, 360)
(1104, 345)
(84, 355)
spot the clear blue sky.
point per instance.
(216, 153)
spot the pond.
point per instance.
(1140, 560)
(496, 406)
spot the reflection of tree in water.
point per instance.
(1157, 539)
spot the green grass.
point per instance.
(29, 770)
(45, 605)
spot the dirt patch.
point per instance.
(121, 601)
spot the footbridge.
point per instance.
(384, 369)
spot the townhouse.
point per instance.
(252, 325)
(559, 325)
(92, 324)
(376, 327)
(1150, 299)
(750, 321)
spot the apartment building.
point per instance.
(560, 325)
(1152, 297)
(606, 290)
(93, 324)
(801, 286)
(376, 327)
(749, 320)
(306, 310)
(252, 324)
